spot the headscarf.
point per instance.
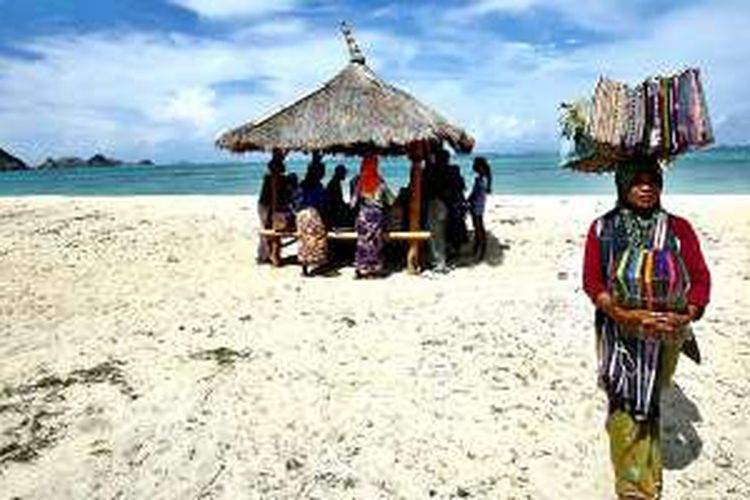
(627, 172)
(369, 177)
(635, 225)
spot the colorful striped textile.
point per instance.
(642, 265)
(662, 117)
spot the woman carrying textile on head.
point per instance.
(313, 244)
(644, 271)
(371, 198)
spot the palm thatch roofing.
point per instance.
(353, 113)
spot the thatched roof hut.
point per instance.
(352, 113)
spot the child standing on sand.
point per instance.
(477, 201)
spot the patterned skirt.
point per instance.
(313, 245)
(370, 223)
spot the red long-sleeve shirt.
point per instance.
(700, 278)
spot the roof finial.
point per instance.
(355, 55)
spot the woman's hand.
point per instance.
(654, 325)
(668, 325)
(632, 317)
(657, 325)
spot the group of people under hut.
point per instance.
(311, 209)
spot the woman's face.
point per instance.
(644, 193)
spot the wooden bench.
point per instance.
(352, 235)
(414, 238)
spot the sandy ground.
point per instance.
(143, 354)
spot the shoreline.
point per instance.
(157, 359)
(234, 195)
(95, 197)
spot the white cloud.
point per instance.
(279, 28)
(523, 84)
(388, 11)
(483, 7)
(596, 15)
(232, 8)
(503, 127)
(193, 105)
(121, 93)
(138, 94)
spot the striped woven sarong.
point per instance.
(646, 274)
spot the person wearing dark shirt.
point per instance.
(456, 231)
(313, 244)
(436, 207)
(267, 249)
(337, 211)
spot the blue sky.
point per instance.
(161, 78)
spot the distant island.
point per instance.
(9, 162)
(98, 160)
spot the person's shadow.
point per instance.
(681, 444)
(495, 250)
(494, 255)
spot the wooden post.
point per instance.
(274, 243)
(416, 154)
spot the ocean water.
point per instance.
(717, 171)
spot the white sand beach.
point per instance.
(144, 355)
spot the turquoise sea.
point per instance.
(724, 170)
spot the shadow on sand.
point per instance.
(681, 444)
(395, 257)
(494, 256)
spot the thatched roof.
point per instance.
(352, 113)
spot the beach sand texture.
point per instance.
(143, 354)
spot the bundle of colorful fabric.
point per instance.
(661, 117)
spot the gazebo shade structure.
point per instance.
(353, 113)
